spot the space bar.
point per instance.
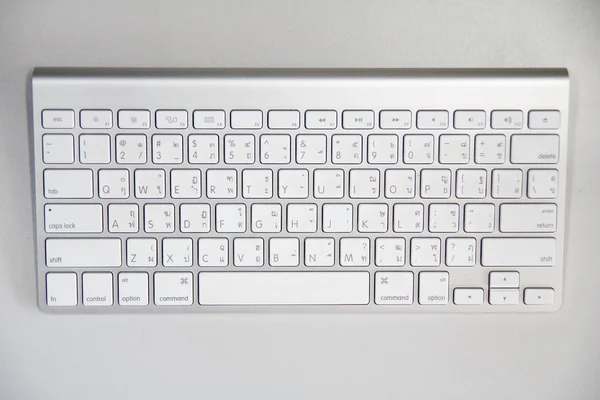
(283, 288)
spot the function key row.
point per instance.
(290, 119)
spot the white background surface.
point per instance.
(300, 356)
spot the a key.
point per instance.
(418, 149)
(239, 149)
(507, 183)
(133, 288)
(454, 149)
(123, 218)
(479, 218)
(346, 149)
(131, 149)
(460, 252)
(141, 252)
(435, 183)
(534, 218)
(408, 217)
(395, 119)
(159, 218)
(468, 296)
(394, 287)
(83, 252)
(358, 119)
(68, 184)
(328, 183)
(504, 297)
(490, 149)
(96, 119)
(443, 217)
(221, 183)
(133, 119)
(518, 252)
(354, 252)
(231, 218)
(364, 183)
(167, 149)
(542, 183)
(382, 149)
(58, 149)
(185, 183)
(471, 183)
(149, 183)
(372, 217)
(293, 183)
(97, 288)
(61, 289)
(539, 296)
(400, 183)
(73, 218)
(504, 279)
(389, 252)
(283, 119)
(171, 119)
(311, 149)
(94, 149)
(319, 252)
(257, 183)
(58, 119)
(266, 218)
(337, 217)
(275, 149)
(534, 149)
(209, 119)
(246, 119)
(433, 288)
(173, 288)
(302, 218)
(213, 252)
(177, 252)
(203, 149)
(432, 119)
(113, 183)
(194, 218)
(425, 252)
(284, 252)
(248, 252)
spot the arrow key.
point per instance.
(504, 297)
(468, 296)
(504, 280)
(539, 296)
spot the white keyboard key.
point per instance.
(94, 149)
(61, 289)
(213, 252)
(185, 183)
(319, 252)
(418, 149)
(408, 217)
(68, 184)
(58, 149)
(504, 297)
(78, 252)
(283, 288)
(364, 183)
(432, 119)
(454, 149)
(221, 184)
(159, 218)
(507, 119)
(203, 149)
(113, 183)
(301, 218)
(425, 252)
(257, 183)
(173, 288)
(311, 149)
(346, 149)
(460, 252)
(471, 183)
(97, 289)
(504, 279)
(177, 252)
(171, 119)
(141, 252)
(239, 149)
(275, 149)
(283, 119)
(542, 183)
(534, 218)
(394, 287)
(284, 252)
(133, 289)
(337, 218)
(96, 119)
(167, 149)
(479, 218)
(382, 149)
(320, 119)
(390, 252)
(372, 217)
(293, 183)
(435, 183)
(73, 218)
(400, 183)
(544, 119)
(468, 296)
(328, 183)
(534, 149)
(131, 149)
(358, 119)
(469, 119)
(443, 217)
(209, 119)
(354, 252)
(395, 119)
(58, 119)
(194, 218)
(231, 218)
(246, 119)
(149, 183)
(490, 149)
(433, 288)
(123, 218)
(507, 183)
(518, 252)
(133, 119)
(266, 218)
(539, 296)
(248, 252)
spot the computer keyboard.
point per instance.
(340, 190)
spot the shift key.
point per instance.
(63, 252)
(518, 252)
